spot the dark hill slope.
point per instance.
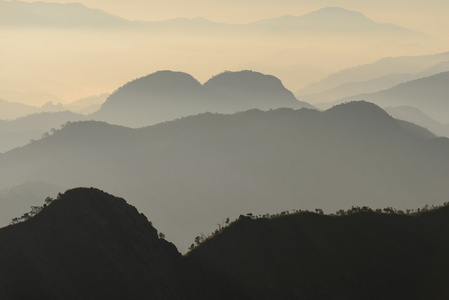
(91, 245)
(360, 256)
(201, 169)
(167, 95)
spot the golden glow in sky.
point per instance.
(65, 64)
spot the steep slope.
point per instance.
(364, 255)
(167, 95)
(189, 174)
(90, 245)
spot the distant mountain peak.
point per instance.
(333, 13)
(357, 108)
(167, 95)
(366, 116)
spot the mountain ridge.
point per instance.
(363, 254)
(167, 95)
(297, 157)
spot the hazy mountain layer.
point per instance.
(167, 95)
(70, 15)
(323, 99)
(189, 174)
(12, 110)
(428, 94)
(19, 132)
(384, 72)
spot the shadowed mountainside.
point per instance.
(365, 255)
(167, 95)
(19, 132)
(90, 245)
(186, 175)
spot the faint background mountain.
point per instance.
(331, 20)
(167, 95)
(370, 86)
(69, 15)
(12, 110)
(380, 75)
(87, 105)
(198, 170)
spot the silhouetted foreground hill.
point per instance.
(167, 95)
(365, 255)
(91, 245)
(87, 244)
(201, 169)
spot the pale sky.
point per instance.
(429, 16)
(71, 65)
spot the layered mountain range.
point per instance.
(201, 169)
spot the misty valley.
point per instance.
(301, 171)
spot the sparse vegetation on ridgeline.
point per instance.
(34, 210)
(341, 212)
